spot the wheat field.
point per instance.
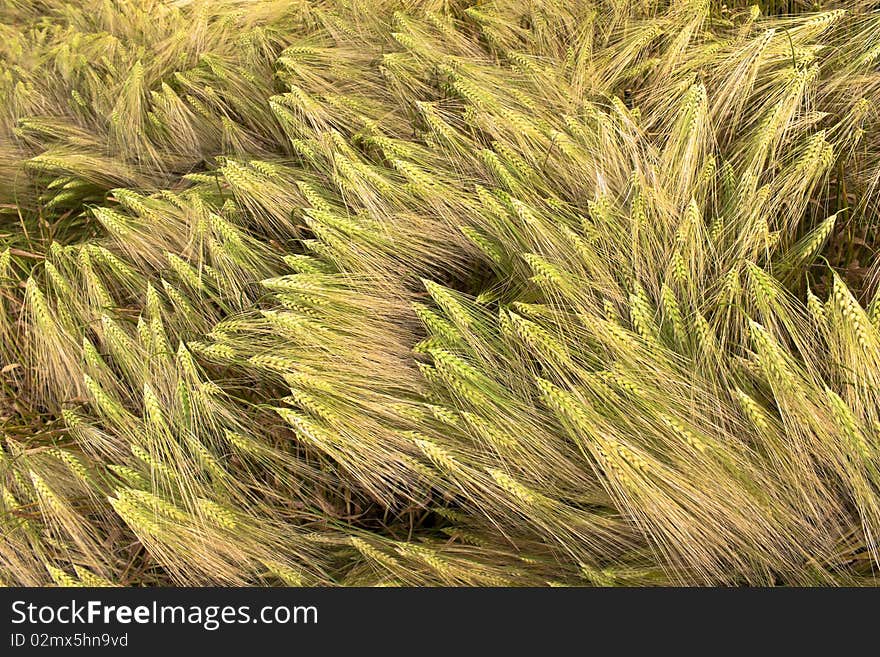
(439, 293)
